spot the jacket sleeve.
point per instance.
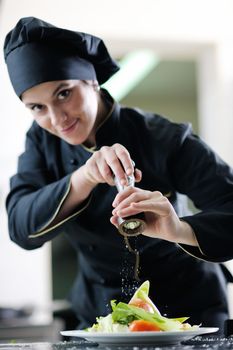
(36, 197)
(207, 180)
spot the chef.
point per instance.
(79, 140)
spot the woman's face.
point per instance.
(67, 108)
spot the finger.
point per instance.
(129, 211)
(118, 171)
(123, 195)
(105, 171)
(136, 199)
(137, 175)
(125, 159)
(125, 206)
(114, 221)
(114, 164)
(160, 207)
(129, 199)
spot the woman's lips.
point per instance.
(70, 128)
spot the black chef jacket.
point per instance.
(185, 280)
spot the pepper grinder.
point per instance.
(132, 225)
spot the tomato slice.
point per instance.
(143, 326)
(142, 304)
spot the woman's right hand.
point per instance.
(108, 162)
(99, 168)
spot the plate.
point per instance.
(139, 338)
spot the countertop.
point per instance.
(213, 342)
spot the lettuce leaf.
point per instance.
(106, 325)
(143, 293)
(125, 314)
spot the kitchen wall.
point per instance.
(193, 37)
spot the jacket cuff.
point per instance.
(45, 229)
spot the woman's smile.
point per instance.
(69, 129)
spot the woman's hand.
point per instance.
(110, 161)
(100, 168)
(161, 218)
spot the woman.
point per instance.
(79, 140)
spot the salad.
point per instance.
(139, 315)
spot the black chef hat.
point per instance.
(36, 52)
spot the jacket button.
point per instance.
(91, 247)
(73, 162)
(102, 281)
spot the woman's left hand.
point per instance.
(161, 219)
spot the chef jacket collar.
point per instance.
(107, 133)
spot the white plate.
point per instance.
(139, 338)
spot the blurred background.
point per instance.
(177, 60)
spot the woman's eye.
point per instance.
(63, 94)
(37, 108)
